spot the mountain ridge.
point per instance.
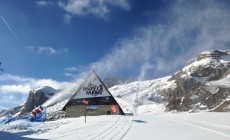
(203, 84)
(35, 98)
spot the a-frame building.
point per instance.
(92, 98)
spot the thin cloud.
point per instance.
(2, 107)
(17, 88)
(99, 8)
(25, 84)
(46, 50)
(14, 78)
(74, 72)
(145, 68)
(68, 74)
(67, 18)
(74, 69)
(24, 89)
(160, 50)
(44, 3)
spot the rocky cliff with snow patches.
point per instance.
(35, 98)
(203, 84)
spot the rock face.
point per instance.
(36, 98)
(11, 111)
(201, 84)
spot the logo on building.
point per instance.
(93, 90)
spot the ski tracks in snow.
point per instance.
(114, 131)
(117, 131)
(215, 128)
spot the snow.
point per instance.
(225, 59)
(142, 88)
(196, 64)
(207, 62)
(150, 121)
(146, 118)
(149, 93)
(46, 90)
(144, 125)
(56, 107)
(206, 53)
(11, 136)
(174, 126)
(225, 82)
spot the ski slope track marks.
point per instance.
(116, 131)
(215, 128)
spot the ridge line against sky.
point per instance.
(123, 38)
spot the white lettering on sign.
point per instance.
(91, 89)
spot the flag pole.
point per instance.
(85, 102)
(85, 113)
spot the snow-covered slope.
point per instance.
(168, 126)
(143, 93)
(140, 96)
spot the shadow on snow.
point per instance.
(13, 136)
(139, 121)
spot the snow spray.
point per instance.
(63, 94)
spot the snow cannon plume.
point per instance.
(63, 94)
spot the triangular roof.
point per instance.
(93, 90)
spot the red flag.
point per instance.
(113, 108)
(85, 102)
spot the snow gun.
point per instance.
(38, 114)
(37, 110)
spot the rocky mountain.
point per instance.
(11, 111)
(35, 98)
(203, 84)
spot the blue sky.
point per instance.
(49, 42)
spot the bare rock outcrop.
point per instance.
(200, 84)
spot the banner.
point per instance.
(113, 108)
(92, 88)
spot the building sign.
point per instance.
(91, 109)
(91, 89)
